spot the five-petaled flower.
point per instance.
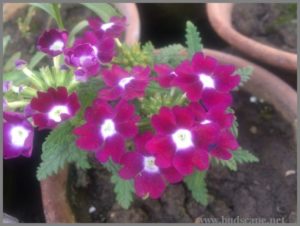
(124, 84)
(205, 79)
(54, 106)
(17, 135)
(140, 165)
(181, 141)
(53, 42)
(106, 129)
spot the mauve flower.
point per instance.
(224, 144)
(166, 75)
(140, 165)
(53, 42)
(207, 80)
(114, 27)
(20, 64)
(106, 129)
(53, 107)
(17, 135)
(180, 140)
(217, 114)
(104, 46)
(6, 86)
(124, 84)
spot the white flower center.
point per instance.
(84, 58)
(95, 50)
(124, 81)
(19, 135)
(55, 113)
(183, 139)
(57, 46)
(207, 81)
(204, 122)
(106, 26)
(149, 165)
(108, 128)
(173, 73)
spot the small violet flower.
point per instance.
(124, 84)
(180, 140)
(204, 79)
(20, 64)
(6, 86)
(53, 42)
(52, 107)
(140, 165)
(17, 135)
(114, 27)
(106, 129)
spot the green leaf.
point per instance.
(245, 73)
(5, 42)
(59, 149)
(169, 55)
(37, 57)
(197, 185)
(103, 10)
(124, 191)
(47, 7)
(17, 77)
(10, 63)
(193, 39)
(76, 29)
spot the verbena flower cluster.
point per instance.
(181, 139)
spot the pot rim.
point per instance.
(220, 18)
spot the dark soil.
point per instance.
(271, 24)
(262, 190)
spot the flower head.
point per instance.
(124, 84)
(53, 107)
(149, 178)
(166, 75)
(180, 140)
(20, 64)
(53, 42)
(17, 135)
(106, 129)
(207, 80)
(114, 27)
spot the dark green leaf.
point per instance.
(193, 39)
(5, 42)
(103, 10)
(124, 191)
(76, 29)
(37, 57)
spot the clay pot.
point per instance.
(220, 15)
(53, 189)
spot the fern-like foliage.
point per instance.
(193, 39)
(170, 55)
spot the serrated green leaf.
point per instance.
(245, 73)
(10, 63)
(124, 191)
(193, 39)
(59, 149)
(37, 57)
(103, 10)
(148, 47)
(76, 29)
(197, 185)
(169, 55)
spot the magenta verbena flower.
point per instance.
(217, 114)
(166, 75)
(180, 140)
(17, 136)
(114, 27)
(204, 78)
(124, 84)
(140, 165)
(53, 42)
(106, 129)
(54, 106)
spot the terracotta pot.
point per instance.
(220, 16)
(53, 189)
(262, 84)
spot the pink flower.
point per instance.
(106, 129)
(53, 107)
(166, 75)
(224, 144)
(180, 141)
(205, 79)
(216, 114)
(114, 27)
(17, 135)
(124, 84)
(140, 165)
(53, 42)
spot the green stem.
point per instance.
(34, 79)
(119, 44)
(17, 104)
(58, 15)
